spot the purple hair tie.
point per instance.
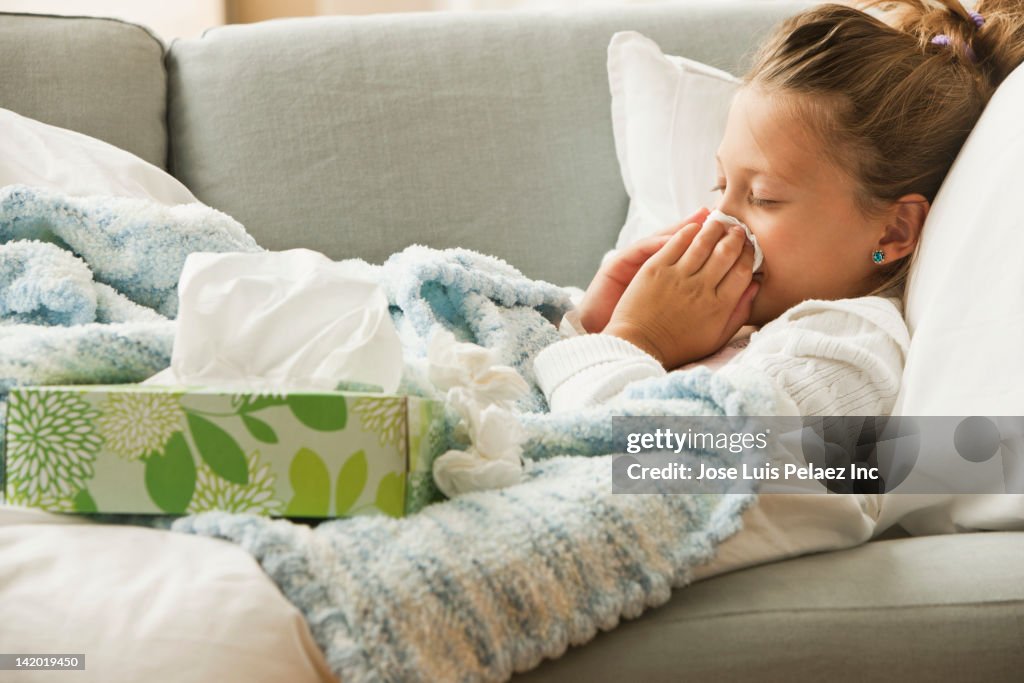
(979, 20)
(943, 39)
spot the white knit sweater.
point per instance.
(842, 357)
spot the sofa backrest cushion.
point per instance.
(101, 77)
(357, 136)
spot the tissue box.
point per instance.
(180, 450)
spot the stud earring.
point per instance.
(878, 256)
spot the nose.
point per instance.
(730, 207)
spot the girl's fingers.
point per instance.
(741, 314)
(702, 246)
(698, 218)
(643, 249)
(630, 259)
(676, 246)
(723, 255)
(732, 283)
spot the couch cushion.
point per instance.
(101, 77)
(912, 609)
(357, 136)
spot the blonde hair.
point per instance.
(892, 107)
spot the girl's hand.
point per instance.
(690, 297)
(618, 270)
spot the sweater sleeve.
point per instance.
(842, 357)
(589, 369)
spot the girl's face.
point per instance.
(774, 177)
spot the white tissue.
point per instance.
(481, 392)
(472, 367)
(717, 215)
(492, 461)
(458, 472)
(280, 321)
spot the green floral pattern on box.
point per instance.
(384, 416)
(51, 445)
(136, 424)
(311, 483)
(216, 493)
(50, 502)
(174, 450)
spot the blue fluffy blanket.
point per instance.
(472, 589)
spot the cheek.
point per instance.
(795, 256)
(807, 261)
(783, 250)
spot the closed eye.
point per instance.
(753, 200)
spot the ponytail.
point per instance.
(991, 36)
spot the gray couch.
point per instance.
(358, 136)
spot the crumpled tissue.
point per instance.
(281, 321)
(481, 392)
(717, 215)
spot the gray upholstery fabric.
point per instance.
(357, 136)
(934, 608)
(101, 77)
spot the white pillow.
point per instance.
(966, 289)
(41, 155)
(668, 118)
(965, 310)
(146, 605)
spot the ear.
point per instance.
(903, 226)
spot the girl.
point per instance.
(835, 145)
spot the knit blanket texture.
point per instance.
(471, 589)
